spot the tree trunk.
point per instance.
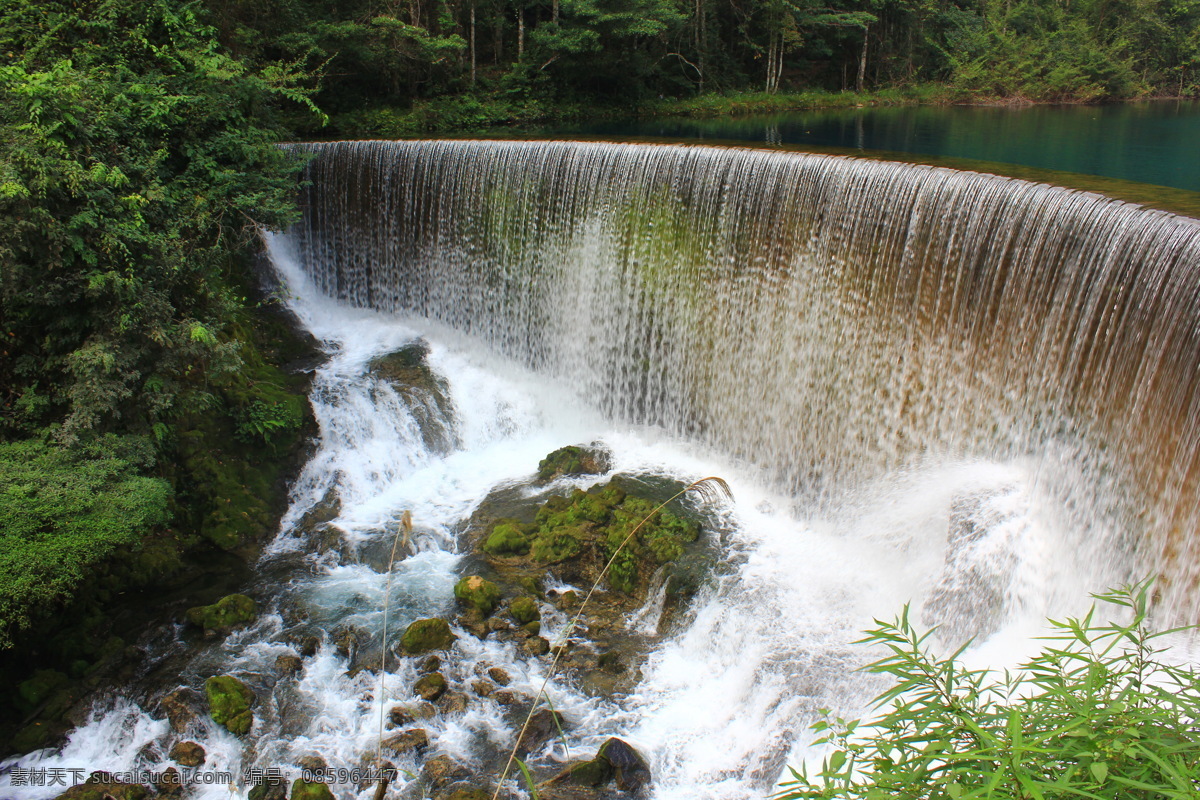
(554, 12)
(472, 44)
(520, 33)
(862, 61)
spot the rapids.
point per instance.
(966, 392)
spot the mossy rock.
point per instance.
(39, 688)
(425, 635)
(430, 687)
(573, 460)
(229, 702)
(469, 794)
(478, 593)
(594, 773)
(101, 786)
(310, 790)
(228, 612)
(506, 538)
(525, 610)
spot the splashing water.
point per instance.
(963, 391)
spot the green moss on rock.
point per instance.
(425, 635)
(228, 612)
(478, 593)
(506, 538)
(229, 702)
(573, 460)
(525, 610)
(310, 790)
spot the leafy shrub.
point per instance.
(64, 511)
(1097, 714)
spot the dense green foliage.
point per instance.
(1097, 714)
(64, 511)
(393, 67)
(137, 161)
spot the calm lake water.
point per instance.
(1151, 142)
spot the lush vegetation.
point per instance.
(403, 67)
(1097, 714)
(143, 414)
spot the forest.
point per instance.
(146, 422)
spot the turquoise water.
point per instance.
(1149, 142)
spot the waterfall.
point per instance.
(967, 392)
(828, 319)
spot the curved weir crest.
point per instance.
(969, 392)
(827, 319)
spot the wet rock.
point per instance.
(169, 783)
(187, 754)
(373, 770)
(467, 793)
(229, 702)
(346, 641)
(430, 687)
(630, 770)
(102, 785)
(310, 790)
(512, 699)
(272, 786)
(441, 771)
(536, 646)
(373, 664)
(533, 628)
(593, 773)
(474, 623)
(543, 726)
(525, 610)
(969, 597)
(568, 601)
(507, 538)
(180, 707)
(475, 592)
(425, 635)
(430, 664)
(454, 703)
(309, 645)
(499, 675)
(427, 395)
(288, 664)
(574, 460)
(405, 741)
(497, 625)
(315, 766)
(233, 611)
(483, 688)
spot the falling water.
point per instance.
(968, 392)
(828, 319)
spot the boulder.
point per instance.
(543, 726)
(224, 615)
(630, 770)
(310, 790)
(288, 664)
(180, 707)
(574, 460)
(525, 610)
(229, 702)
(187, 754)
(102, 785)
(506, 539)
(478, 593)
(405, 741)
(430, 687)
(425, 635)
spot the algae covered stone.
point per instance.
(525, 610)
(506, 539)
(228, 612)
(475, 592)
(229, 702)
(573, 460)
(310, 790)
(425, 635)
